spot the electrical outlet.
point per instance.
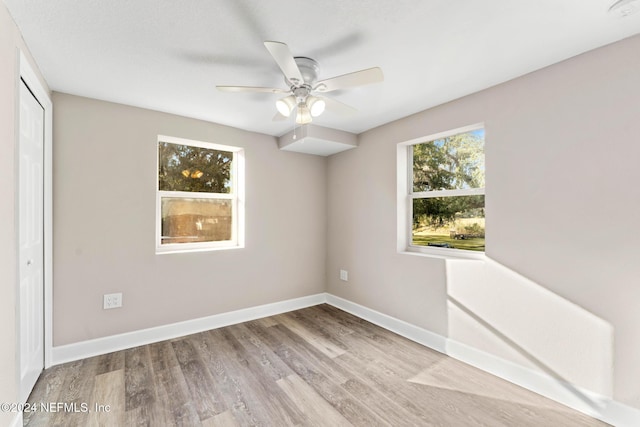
(112, 301)
(344, 275)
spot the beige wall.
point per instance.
(562, 152)
(104, 224)
(10, 44)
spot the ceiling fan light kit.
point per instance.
(301, 76)
(308, 107)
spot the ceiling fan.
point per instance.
(304, 89)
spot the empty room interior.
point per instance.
(320, 213)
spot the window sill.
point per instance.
(442, 253)
(192, 250)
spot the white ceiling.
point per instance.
(169, 55)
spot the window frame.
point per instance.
(236, 196)
(406, 196)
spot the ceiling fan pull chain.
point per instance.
(294, 127)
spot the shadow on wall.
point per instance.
(498, 311)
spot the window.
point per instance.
(446, 192)
(199, 195)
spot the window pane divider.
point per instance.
(196, 195)
(447, 193)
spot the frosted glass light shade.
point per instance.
(285, 105)
(304, 115)
(316, 106)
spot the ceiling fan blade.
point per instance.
(338, 107)
(283, 57)
(251, 89)
(357, 78)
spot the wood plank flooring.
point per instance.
(318, 366)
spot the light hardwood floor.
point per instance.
(318, 366)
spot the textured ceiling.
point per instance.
(168, 55)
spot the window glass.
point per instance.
(454, 162)
(449, 222)
(186, 220)
(192, 168)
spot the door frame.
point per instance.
(30, 77)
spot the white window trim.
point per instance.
(237, 198)
(405, 197)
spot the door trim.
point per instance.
(29, 76)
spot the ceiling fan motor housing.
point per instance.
(309, 69)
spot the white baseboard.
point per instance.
(592, 404)
(585, 401)
(400, 327)
(104, 345)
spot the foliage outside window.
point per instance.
(197, 197)
(447, 192)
